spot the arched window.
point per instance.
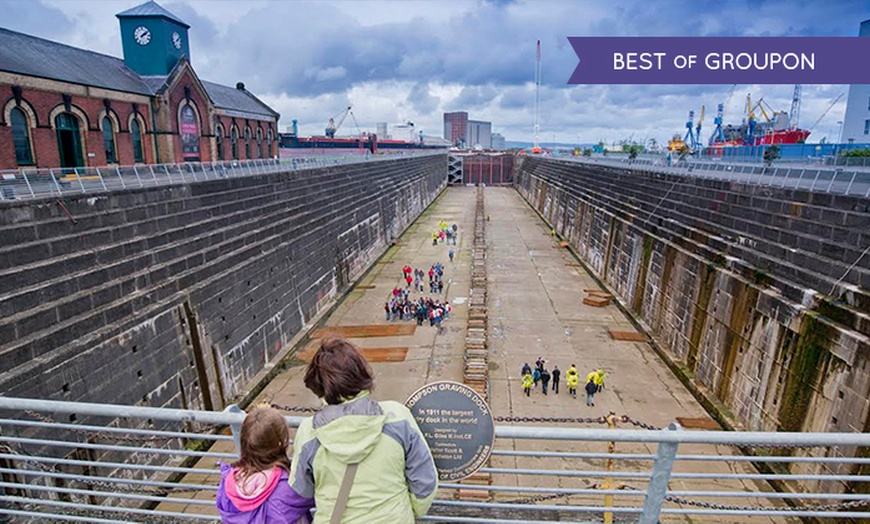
(136, 137)
(247, 142)
(234, 141)
(259, 143)
(21, 137)
(219, 140)
(109, 141)
(269, 142)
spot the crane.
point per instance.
(718, 135)
(690, 139)
(795, 112)
(697, 143)
(537, 145)
(826, 112)
(332, 128)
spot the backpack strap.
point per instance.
(343, 493)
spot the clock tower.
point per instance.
(153, 39)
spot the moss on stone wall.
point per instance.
(809, 356)
(700, 312)
(640, 288)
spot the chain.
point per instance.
(811, 507)
(295, 409)
(105, 436)
(587, 420)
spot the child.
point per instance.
(527, 383)
(451, 255)
(255, 488)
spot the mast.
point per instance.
(537, 145)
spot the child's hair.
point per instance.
(264, 442)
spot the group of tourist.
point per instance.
(401, 307)
(531, 378)
(445, 233)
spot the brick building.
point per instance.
(61, 106)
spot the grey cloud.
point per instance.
(421, 99)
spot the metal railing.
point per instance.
(49, 182)
(811, 177)
(109, 463)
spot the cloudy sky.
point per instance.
(395, 61)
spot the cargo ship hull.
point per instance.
(290, 145)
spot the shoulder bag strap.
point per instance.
(343, 493)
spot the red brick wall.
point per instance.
(227, 123)
(44, 138)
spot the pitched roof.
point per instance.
(151, 8)
(238, 101)
(29, 55)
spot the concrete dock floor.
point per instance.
(535, 290)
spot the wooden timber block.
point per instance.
(699, 423)
(598, 292)
(596, 301)
(477, 495)
(384, 354)
(374, 330)
(630, 336)
(475, 323)
(563, 244)
(481, 479)
(365, 286)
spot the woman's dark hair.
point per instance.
(338, 371)
(264, 441)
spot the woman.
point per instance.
(374, 451)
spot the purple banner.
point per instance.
(721, 60)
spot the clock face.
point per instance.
(176, 40)
(142, 35)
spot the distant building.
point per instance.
(498, 142)
(382, 130)
(62, 106)
(856, 123)
(456, 128)
(465, 133)
(479, 134)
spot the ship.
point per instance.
(290, 144)
(775, 129)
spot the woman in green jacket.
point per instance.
(363, 461)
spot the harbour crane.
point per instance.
(332, 128)
(795, 112)
(697, 144)
(718, 135)
(826, 112)
(537, 146)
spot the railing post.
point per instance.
(27, 181)
(56, 183)
(136, 172)
(849, 187)
(236, 427)
(818, 173)
(192, 171)
(181, 172)
(608, 481)
(121, 178)
(82, 184)
(833, 178)
(153, 174)
(658, 482)
(798, 184)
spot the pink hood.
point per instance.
(254, 490)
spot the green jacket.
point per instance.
(396, 480)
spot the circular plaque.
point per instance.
(457, 425)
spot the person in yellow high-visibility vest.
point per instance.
(599, 381)
(597, 377)
(527, 383)
(572, 379)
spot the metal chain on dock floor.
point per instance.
(295, 409)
